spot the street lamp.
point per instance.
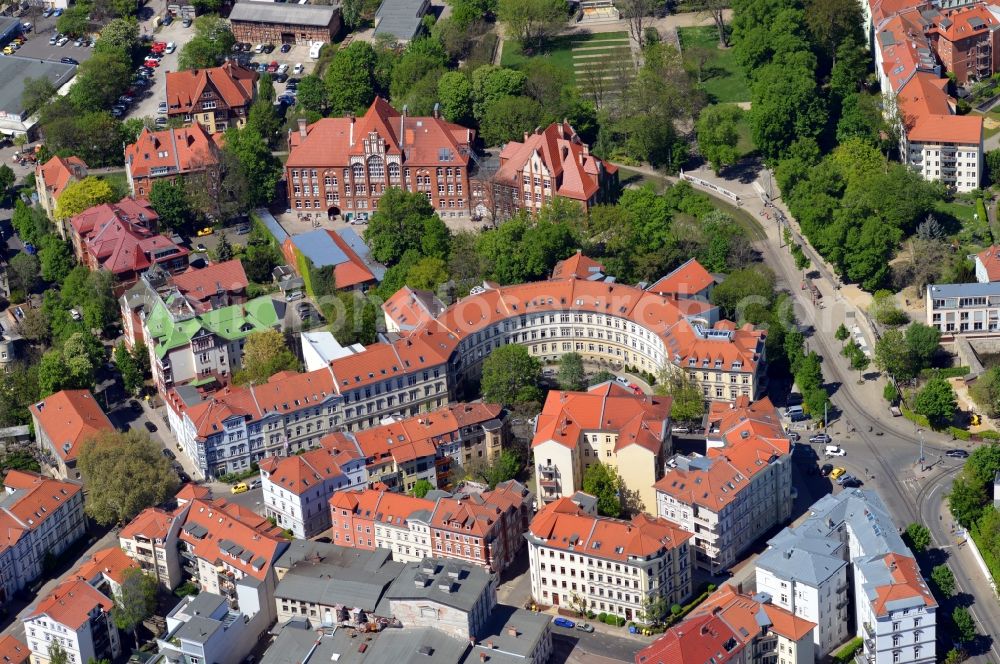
(920, 432)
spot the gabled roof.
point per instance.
(300, 472)
(237, 321)
(232, 83)
(58, 172)
(152, 523)
(385, 507)
(990, 258)
(68, 418)
(688, 279)
(326, 248)
(110, 563)
(199, 284)
(291, 14)
(175, 151)
(577, 266)
(71, 602)
(13, 651)
(30, 499)
(901, 585)
(927, 111)
(637, 419)
(409, 307)
(219, 532)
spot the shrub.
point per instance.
(989, 435)
(959, 434)
(619, 621)
(710, 588)
(890, 393)
(846, 654)
(602, 616)
(611, 619)
(675, 609)
(946, 372)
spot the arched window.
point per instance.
(376, 168)
(394, 172)
(358, 171)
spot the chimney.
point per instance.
(302, 127)
(402, 126)
(482, 656)
(437, 110)
(512, 631)
(350, 116)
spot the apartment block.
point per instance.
(848, 568)
(608, 424)
(52, 178)
(205, 628)
(39, 516)
(165, 155)
(14, 651)
(966, 310)
(738, 491)
(150, 539)
(62, 422)
(732, 626)
(586, 562)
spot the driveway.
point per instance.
(179, 35)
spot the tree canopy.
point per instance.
(511, 376)
(603, 482)
(572, 376)
(83, 194)
(265, 353)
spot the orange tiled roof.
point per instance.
(577, 266)
(688, 279)
(907, 583)
(566, 526)
(638, 419)
(423, 141)
(68, 418)
(199, 284)
(926, 109)
(300, 472)
(232, 83)
(13, 651)
(41, 497)
(410, 307)
(990, 258)
(478, 513)
(380, 505)
(191, 491)
(58, 172)
(177, 151)
(152, 523)
(111, 563)
(964, 22)
(219, 532)
(71, 602)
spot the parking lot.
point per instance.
(179, 35)
(299, 54)
(38, 47)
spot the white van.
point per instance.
(622, 379)
(314, 49)
(834, 450)
(793, 410)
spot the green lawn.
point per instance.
(721, 78)
(989, 132)
(559, 51)
(957, 217)
(118, 181)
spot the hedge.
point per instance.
(989, 435)
(959, 434)
(992, 564)
(919, 420)
(946, 372)
(846, 654)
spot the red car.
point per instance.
(159, 47)
(152, 63)
(635, 388)
(273, 67)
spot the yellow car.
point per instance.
(8, 50)
(834, 474)
(240, 488)
(207, 230)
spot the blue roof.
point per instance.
(974, 289)
(359, 247)
(272, 225)
(319, 248)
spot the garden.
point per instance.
(715, 68)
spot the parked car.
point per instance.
(150, 427)
(57, 12)
(162, 108)
(183, 477)
(586, 627)
(793, 436)
(171, 47)
(79, 42)
(262, 67)
(135, 406)
(200, 248)
(167, 453)
(207, 230)
(282, 68)
(158, 46)
(850, 482)
(298, 68)
(53, 39)
(836, 473)
(259, 48)
(957, 454)
(563, 622)
(255, 484)
(8, 50)
(161, 121)
(186, 22)
(167, 19)
(47, 13)
(285, 48)
(268, 48)
(243, 229)
(68, 61)
(821, 438)
(240, 488)
(845, 478)
(834, 450)
(27, 26)
(280, 78)
(826, 469)
(62, 41)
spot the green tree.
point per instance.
(35, 92)
(350, 79)
(56, 259)
(253, 163)
(511, 376)
(523, 250)
(353, 318)
(966, 501)
(842, 334)
(57, 655)
(125, 473)
(135, 600)
(688, 399)
(992, 161)
(455, 93)
(922, 342)
(505, 467)
(34, 326)
(832, 22)
(100, 80)
(7, 178)
(885, 310)
(531, 22)
(427, 274)
(892, 355)
(955, 656)
(30, 223)
(129, 368)
(965, 626)
(265, 353)
(422, 58)
(491, 83)
(943, 579)
(718, 134)
(572, 376)
(603, 483)
(420, 488)
(23, 273)
(506, 119)
(398, 224)
(212, 41)
(919, 537)
(74, 21)
(601, 376)
(119, 35)
(312, 94)
(936, 402)
(171, 203)
(744, 291)
(83, 194)
(785, 104)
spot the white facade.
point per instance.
(957, 165)
(222, 635)
(963, 309)
(95, 639)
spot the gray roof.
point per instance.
(528, 627)
(15, 69)
(359, 247)
(400, 18)
(974, 289)
(297, 644)
(332, 575)
(813, 569)
(446, 582)
(284, 13)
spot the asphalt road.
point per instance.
(891, 459)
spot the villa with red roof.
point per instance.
(732, 627)
(607, 424)
(38, 515)
(63, 421)
(167, 154)
(584, 562)
(216, 98)
(122, 239)
(690, 280)
(738, 491)
(578, 266)
(550, 163)
(344, 165)
(52, 178)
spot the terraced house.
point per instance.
(440, 359)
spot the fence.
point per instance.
(714, 187)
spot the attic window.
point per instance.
(619, 549)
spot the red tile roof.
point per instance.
(380, 505)
(577, 266)
(964, 22)
(990, 258)
(222, 525)
(191, 491)
(13, 651)
(232, 83)
(41, 497)
(927, 111)
(152, 523)
(178, 151)
(575, 173)
(331, 141)
(563, 525)
(907, 583)
(688, 279)
(638, 419)
(111, 563)
(68, 418)
(71, 602)
(409, 307)
(300, 472)
(478, 513)
(199, 284)
(58, 172)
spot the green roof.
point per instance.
(231, 323)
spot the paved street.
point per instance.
(890, 458)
